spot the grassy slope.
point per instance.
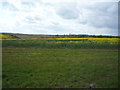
(30, 67)
(6, 36)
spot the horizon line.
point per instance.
(60, 34)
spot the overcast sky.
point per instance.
(59, 17)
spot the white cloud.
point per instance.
(58, 17)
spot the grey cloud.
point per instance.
(7, 6)
(28, 4)
(104, 15)
(57, 28)
(33, 19)
(55, 23)
(68, 14)
(68, 11)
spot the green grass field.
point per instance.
(43, 63)
(59, 68)
(43, 43)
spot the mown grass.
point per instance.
(59, 68)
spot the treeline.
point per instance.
(17, 35)
(80, 36)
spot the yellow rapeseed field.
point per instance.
(69, 40)
(94, 40)
(3, 36)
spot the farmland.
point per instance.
(60, 62)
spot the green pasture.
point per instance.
(52, 44)
(59, 68)
(45, 64)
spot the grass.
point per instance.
(60, 63)
(52, 44)
(59, 68)
(5, 36)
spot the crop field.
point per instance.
(75, 43)
(60, 62)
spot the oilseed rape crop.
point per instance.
(85, 40)
(77, 43)
(6, 37)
